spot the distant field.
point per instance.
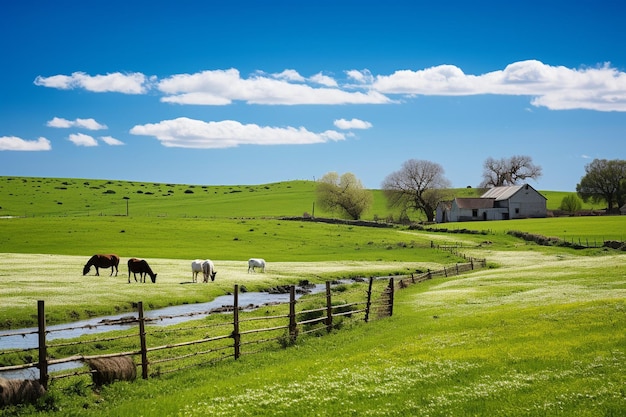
(26, 196)
(587, 230)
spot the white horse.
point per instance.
(206, 267)
(256, 263)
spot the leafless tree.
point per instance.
(343, 194)
(419, 186)
(508, 171)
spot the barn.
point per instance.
(498, 203)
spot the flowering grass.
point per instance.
(540, 338)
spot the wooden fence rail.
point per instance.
(285, 330)
(328, 314)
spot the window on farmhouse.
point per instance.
(475, 213)
(517, 210)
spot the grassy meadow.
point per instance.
(540, 332)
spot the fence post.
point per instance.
(457, 269)
(293, 331)
(142, 341)
(236, 335)
(329, 309)
(391, 290)
(43, 353)
(368, 305)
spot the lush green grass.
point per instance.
(26, 196)
(70, 296)
(542, 335)
(190, 238)
(589, 231)
(36, 197)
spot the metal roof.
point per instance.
(474, 203)
(502, 193)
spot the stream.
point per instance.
(28, 338)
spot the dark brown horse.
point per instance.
(141, 267)
(102, 261)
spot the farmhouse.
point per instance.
(498, 203)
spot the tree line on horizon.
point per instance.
(420, 185)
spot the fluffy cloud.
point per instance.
(189, 133)
(352, 124)
(555, 87)
(109, 140)
(134, 83)
(80, 139)
(601, 88)
(89, 124)
(13, 143)
(222, 87)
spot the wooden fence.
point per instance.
(221, 339)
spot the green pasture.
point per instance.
(540, 332)
(541, 335)
(589, 230)
(70, 296)
(36, 197)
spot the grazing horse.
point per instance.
(206, 267)
(256, 263)
(141, 267)
(102, 261)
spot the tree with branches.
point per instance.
(605, 180)
(344, 194)
(418, 186)
(508, 171)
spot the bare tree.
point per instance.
(418, 186)
(499, 172)
(344, 194)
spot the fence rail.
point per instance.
(236, 334)
(243, 332)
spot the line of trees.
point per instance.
(419, 185)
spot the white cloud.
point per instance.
(89, 124)
(360, 76)
(133, 83)
(600, 88)
(555, 87)
(80, 139)
(324, 80)
(110, 140)
(222, 87)
(189, 133)
(289, 75)
(352, 124)
(13, 143)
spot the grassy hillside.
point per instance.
(36, 197)
(32, 197)
(541, 332)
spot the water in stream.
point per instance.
(28, 338)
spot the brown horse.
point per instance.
(141, 267)
(102, 261)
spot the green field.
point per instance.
(540, 332)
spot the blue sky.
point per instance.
(253, 92)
